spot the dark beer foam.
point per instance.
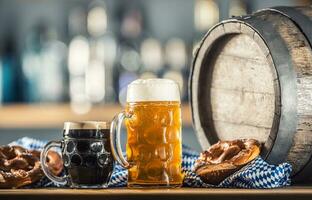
(90, 129)
(86, 133)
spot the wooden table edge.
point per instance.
(161, 192)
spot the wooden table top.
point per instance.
(54, 115)
(298, 192)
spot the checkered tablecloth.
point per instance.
(257, 174)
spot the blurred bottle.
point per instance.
(8, 72)
(175, 54)
(152, 55)
(99, 73)
(91, 57)
(103, 49)
(129, 65)
(131, 21)
(78, 62)
(206, 14)
(43, 65)
(1, 84)
(176, 62)
(127, 68)
(125, 79)
(237, 8)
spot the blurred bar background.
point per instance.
(71, 60)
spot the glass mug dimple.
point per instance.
(86, 154)
(154, 144)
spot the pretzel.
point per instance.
(224, 158)
(19, 166)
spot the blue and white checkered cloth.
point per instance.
(257, 174)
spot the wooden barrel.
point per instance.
(252, 78)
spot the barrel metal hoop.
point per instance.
(191, 77)
(302, 21)
(287, 79)
(195, 56)
(304, 24)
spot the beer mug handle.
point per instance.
(115, 130)
(45, 168)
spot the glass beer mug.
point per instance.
(154, 143)
(86, 153)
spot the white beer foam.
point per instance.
(153, 90)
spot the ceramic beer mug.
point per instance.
(86, 154)
(154, 143)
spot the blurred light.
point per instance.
(151, 54)
(79, 102)
(95, 81)
(78, 61)
(97, 21)
(147, 75)
(106, 49)
(176, 55)
(78, 55)
(126, 78)
(130, 60)
(177, 77)
(103, 51)
(81, 106)
(76, 87)
(44, 66)
(237, 8)
(30, 65)
(131, 24)
(206, 14)
(51, 64)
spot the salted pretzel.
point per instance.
(224, 158)
(19, 166)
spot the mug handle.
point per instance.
(43, 158)
(115, 130)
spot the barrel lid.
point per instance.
(219, 108)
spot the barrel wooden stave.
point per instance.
(215, 95)
(300, 52)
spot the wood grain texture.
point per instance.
(43, 116)
(301, 56)
(238, 90)
(241, 94)
(178, 193)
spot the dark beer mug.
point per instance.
(86, 154)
